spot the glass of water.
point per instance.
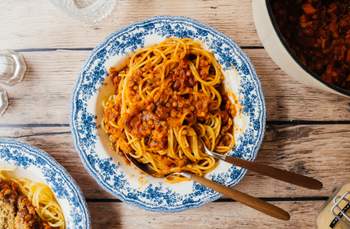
(86, 10)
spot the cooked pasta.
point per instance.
(169, 99)
(41, 197)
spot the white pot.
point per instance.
(278, 51)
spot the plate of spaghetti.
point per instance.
(158, 91)
(36, 192)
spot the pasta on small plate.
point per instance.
(37, 192)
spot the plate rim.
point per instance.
(52, 162)
(122, 30)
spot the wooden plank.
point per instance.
(287, 99)
(320, 151)
(25, 23)
(213, 215)
(49, 83)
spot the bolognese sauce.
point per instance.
(318, 34)
(152, 118)
(169, 100)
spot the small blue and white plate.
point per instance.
(29, 162)
(123, 180)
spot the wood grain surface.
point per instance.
(308, 130)
(23, 26)
(226, 215)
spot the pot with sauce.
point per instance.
(308, 39)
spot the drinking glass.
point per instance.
(86, 10)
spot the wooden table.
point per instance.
(308, 131)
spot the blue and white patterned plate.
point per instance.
(34, 164)
(125, 181)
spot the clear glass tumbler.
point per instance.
(90, 11)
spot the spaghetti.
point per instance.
(169, 99)
(42, 198)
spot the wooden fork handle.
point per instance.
(293, 178)
(243, 198)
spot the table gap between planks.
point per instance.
(307, 131)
